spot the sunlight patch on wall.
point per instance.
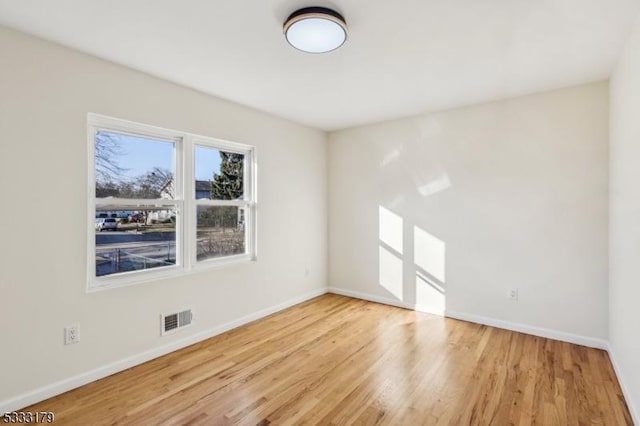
(390, 272)
(429, 253)
(429, 259)
(441, 183)
(388, 158)
(430, 296)
(390, 252)
(390, 229)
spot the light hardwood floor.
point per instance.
(336, 360)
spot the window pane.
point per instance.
(220, 231)
(130, 240)
(219, 175)
(133, 167)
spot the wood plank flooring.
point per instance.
(337, 360)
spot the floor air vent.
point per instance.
(174, 322)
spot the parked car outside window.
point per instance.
(134, 218)
(106, 223)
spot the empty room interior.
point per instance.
(331, 212)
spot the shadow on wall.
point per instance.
(423, 263)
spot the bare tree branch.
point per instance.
(107, 151)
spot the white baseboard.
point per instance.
(62, 386)
(577, 339)
(370, 297)
(633, 409)
(522, 328)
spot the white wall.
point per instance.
(624, 274)
(46, 92)
(481, 199)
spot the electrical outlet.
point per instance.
(512, 294)
(71, 334)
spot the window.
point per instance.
(164, 203)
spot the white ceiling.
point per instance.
(403, 57)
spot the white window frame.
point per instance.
(184, 202)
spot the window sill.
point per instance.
(127, 279)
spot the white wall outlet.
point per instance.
(71, 334)
(512, 294)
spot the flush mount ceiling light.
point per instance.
(315, 29)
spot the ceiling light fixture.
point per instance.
(315, 30)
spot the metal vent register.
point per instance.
(175, 321)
